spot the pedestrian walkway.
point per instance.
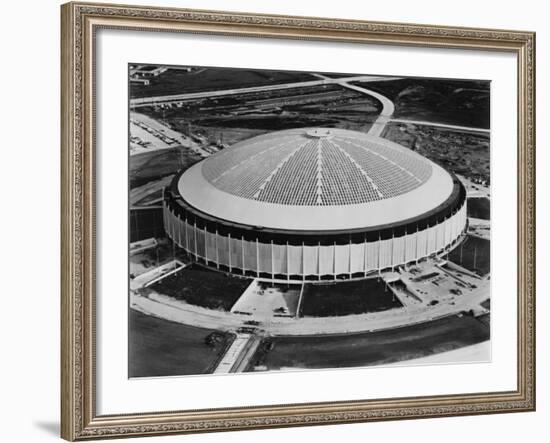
(231, 357)
(156, 274)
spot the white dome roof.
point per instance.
(315, 179)
(311, 167)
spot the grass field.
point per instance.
(375, 348)
(344, 298)
(474, 254)
(202, 287)
(159, 347)
(479, 208)
(150, 166)
(455, 102)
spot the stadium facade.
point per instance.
(314, 204)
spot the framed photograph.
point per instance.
(282, 221)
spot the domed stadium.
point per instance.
(314, 204)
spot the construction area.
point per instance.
(254, 311)
(189, 317)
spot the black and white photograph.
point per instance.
(289, 220)
(275, 221)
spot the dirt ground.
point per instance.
(461, 152)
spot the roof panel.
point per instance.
(316, 167)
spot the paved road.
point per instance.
(388, 107)
(156, 274)
(233, 353)
(170, 309)
(441, 125)
(140, 102)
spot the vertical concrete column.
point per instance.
(427, 239)
(186, 235)
(195, 235)
(272, 262)
(205, 245)
(334, 260)
(392, 246)
(167, 223)
(405, 247)
(456, 229)
(164, 215)
(379, 252)
(217, 250)
(242, 253)
(365, 259)
(180, 223)
(319, 261)
(303, 262)
(257, 258)
(287, 262)
(416, 245)
(349, 259)
(445, 234)
(229, 248)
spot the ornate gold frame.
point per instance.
(79, 420)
